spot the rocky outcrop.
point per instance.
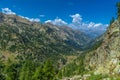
(106, 58)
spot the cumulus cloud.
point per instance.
(77, 18)
(79, 24)
(57, 21)
(34, 19)
(8, 11)
(48, 21)
(91, 28)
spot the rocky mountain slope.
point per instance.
(105, 59)
(21, 40)
(102, 61)
(36, 51)
(41, 41)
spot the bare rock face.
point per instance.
(106, 58)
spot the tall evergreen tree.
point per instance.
(112, 20)
(26, 71)
(11, 70)
(48, 69)
(38, 75)
(2, 77)
(118, 11)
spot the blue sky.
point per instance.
(98, 11)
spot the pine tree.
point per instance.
(118, 11)
(48, 70)
(2, 77)
(26, 71)
(112, 20)
(11, 70)
(38, 75)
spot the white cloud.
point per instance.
(79, 24)
(8, 11)
(98, 24)
(77, 18)
(57, 21)
(48, 21)
(34, 19)
(91, 28)
(31, 19)
(91, 24)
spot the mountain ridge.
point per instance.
(44, 38)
